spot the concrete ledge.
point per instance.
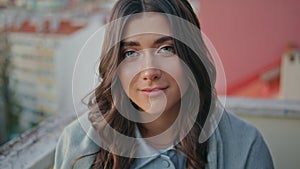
(263, 107)
(34, 149)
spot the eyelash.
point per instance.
(124, 53)
(170, 47)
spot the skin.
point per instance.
(151, 73)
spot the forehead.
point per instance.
(145, 23)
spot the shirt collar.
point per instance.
(146, 153)
(145, 150)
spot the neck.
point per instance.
(158, 133)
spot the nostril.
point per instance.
(151, 74)
(152, 78)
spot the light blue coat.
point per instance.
(235, 144)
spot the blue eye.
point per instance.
(129, 54)
(166, 50)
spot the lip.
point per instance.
(153, 91)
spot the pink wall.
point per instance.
(249, 34)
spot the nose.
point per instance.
(151, 74)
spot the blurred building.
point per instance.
(40, 4)
(37, 71)
(44, 49)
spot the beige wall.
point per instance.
(282, 136)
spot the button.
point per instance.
(165, 164)
(165, 161)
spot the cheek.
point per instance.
(124, 81)
(127, 79)
(178, 75)
(183, 81)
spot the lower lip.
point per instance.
(154, 93)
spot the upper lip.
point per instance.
(150, 89)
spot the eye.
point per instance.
(166, 50)
(129, 54)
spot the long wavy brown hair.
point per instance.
(102, 103)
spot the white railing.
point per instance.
(35, 148)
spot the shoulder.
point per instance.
(74, 142)
(244, 143)
(232, 126)
(237, 132)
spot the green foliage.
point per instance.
(10, 108)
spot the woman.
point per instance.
(157, 89)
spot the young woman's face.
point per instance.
(151, 73)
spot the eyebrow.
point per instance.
(163, 39)
(156, 42)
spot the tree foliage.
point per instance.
(10, 108)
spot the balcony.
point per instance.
(278, 121)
